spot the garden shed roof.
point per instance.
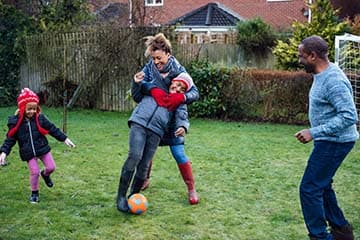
(211, 14)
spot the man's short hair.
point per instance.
(315, 44)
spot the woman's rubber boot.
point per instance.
(186, 173)
(136, 185)
(147, 180)
(121, 201)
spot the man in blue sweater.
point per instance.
(333, 119)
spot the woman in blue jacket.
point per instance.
(161, 68)
(159, 71)
(148, 124)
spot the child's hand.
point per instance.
(180, 132)
(138, 77)
(2, 159)
(69, 142)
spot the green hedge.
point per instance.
(250, 95)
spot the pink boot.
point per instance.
(186, 173)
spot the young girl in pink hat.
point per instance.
(28, 127)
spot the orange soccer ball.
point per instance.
(138, 203)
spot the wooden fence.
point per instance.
(224, 54)
(93, 69)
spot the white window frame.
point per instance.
(153, 3)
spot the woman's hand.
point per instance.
(138, 77)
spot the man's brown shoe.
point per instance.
(342, 233)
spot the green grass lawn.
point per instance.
(247, 176)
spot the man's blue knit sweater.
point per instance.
(332, 112)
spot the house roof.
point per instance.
(112, 11)
(209, 15)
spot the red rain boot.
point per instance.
(186, 173)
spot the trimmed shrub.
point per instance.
(250, 95)
(283, 95)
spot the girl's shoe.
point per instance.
(47, 180)
(34, 198)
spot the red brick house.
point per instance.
(278, 13)
(201, 21)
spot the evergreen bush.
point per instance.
(13, 28)
(209, 79)
(255, 36)
(324, 23)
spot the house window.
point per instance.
(154, 2)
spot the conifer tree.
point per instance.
(324, 22)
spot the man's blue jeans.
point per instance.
(318, 199)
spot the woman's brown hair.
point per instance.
(157, 42)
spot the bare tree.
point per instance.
(137, 13)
